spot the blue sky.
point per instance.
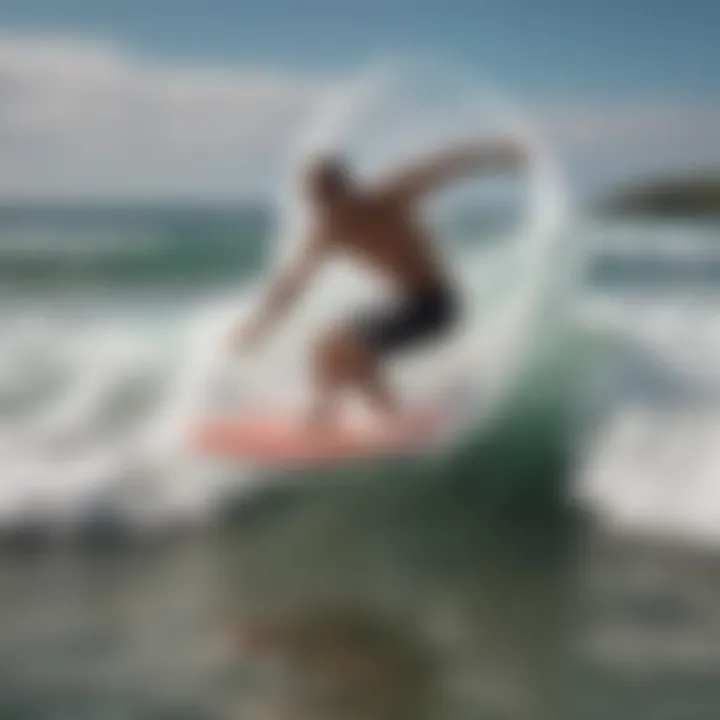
(551, 48)
(193, 97)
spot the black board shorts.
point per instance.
(420, 317)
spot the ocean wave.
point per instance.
(46, 246)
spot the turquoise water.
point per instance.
(507, 579)
(467, 591)
(411, 591)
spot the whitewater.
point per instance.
(115, 327)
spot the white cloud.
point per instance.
(85, 118)
(629, 142)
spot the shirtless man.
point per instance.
(377, 225)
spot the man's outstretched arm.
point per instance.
(459, 162)
(284, 291)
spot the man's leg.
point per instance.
(326, 382)
(343, 363)
(375, 389)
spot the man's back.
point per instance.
(384, 233)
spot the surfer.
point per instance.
(376, 224)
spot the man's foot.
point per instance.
(321, 416)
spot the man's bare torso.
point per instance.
(379, 227)
(385, 235)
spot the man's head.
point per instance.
(328, 181)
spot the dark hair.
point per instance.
(326, 175)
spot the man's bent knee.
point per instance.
(340, 356)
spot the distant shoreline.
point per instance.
(694, 197)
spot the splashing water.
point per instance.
(394, 114)
(106, 438)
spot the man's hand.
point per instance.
(510, 154)
(282, 293)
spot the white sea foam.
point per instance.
(106, 436)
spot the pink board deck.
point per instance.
(283, 439)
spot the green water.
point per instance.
(453, 589)
(466, 588)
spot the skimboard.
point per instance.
(283, 438)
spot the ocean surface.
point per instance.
(560, 560)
